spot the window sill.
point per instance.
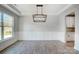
(5, 39)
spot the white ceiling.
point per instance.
(50, 9)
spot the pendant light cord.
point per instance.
(41, 9)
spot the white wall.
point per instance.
(74, 8)
(77, 28)
(53, 29)
(39, 31)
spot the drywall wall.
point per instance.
(73, 8)
(29, 30)
(53, 29)
(8, 42)
(77, 27)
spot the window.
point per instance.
(0, 26)
(6, 26)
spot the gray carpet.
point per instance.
(39, 47)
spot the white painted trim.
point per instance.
(9, 8)
(62, 10)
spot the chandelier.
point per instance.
(39, 17)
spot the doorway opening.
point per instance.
(70, 29)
